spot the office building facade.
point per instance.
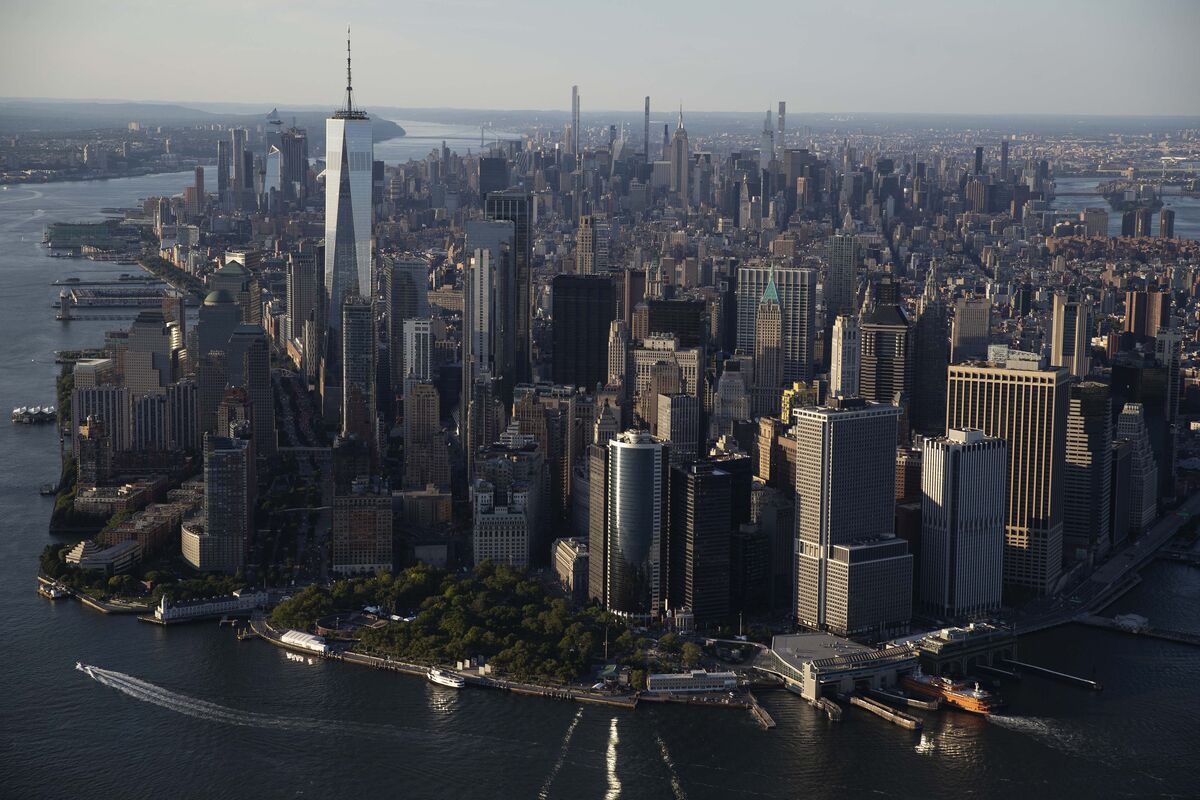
(853, 577)
(1027, 407)
(962, 524)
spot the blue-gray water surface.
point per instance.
(190, 712)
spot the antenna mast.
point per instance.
(349, 111)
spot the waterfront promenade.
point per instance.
(264, 630)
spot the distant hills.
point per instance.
(70, 116)
(21, 115)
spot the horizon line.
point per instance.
(632, 110)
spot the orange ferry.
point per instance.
(960, 694)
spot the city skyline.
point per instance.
(592, 415)
(857, 46)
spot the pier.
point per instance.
(130, 279)
(831, 709)
(760, 714)
(911, 702)
(884, 712)
(1000, 673)
(1146, 631)
(1095, 686)
(67, 316)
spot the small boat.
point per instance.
(445, 678)
(52, 591)
(47, 489)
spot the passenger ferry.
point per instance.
(443, 678)
(960, 694)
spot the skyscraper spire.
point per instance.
(349, 82)
(771, 292)
(349, 111)
(680, 115)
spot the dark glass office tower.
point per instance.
(493, 174)
(700, 540)
(931, 357)
(514, 206)
(583, 306)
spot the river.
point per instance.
(1187, 209)
(422, 137)
(190, 712)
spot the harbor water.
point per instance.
(190, 712)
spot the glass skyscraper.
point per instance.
(348, 155)
(636, 523)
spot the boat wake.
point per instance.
(154, 694)
(562, 756)
(676, 786)
(1045, 730)
(614, 783)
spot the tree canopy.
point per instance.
(496, 612)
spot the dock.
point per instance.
(1000, 673)
(911, 702)
(1164, 634)
(220, 616)
(760, 714)
(1095, 686)
(885, 712)
(831, 709)
(136, 280)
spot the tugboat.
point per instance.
(443, 678)
(961, 694)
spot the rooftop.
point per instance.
(798, 649)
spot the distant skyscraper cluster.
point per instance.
(704, 372)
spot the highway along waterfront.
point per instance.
(160, 711)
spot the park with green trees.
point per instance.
(495, 612)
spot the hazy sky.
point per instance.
(970, 56)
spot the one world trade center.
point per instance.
(348, 156)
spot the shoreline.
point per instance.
(93, 178)
(264, 631)
(401, 134)
(102, 606)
